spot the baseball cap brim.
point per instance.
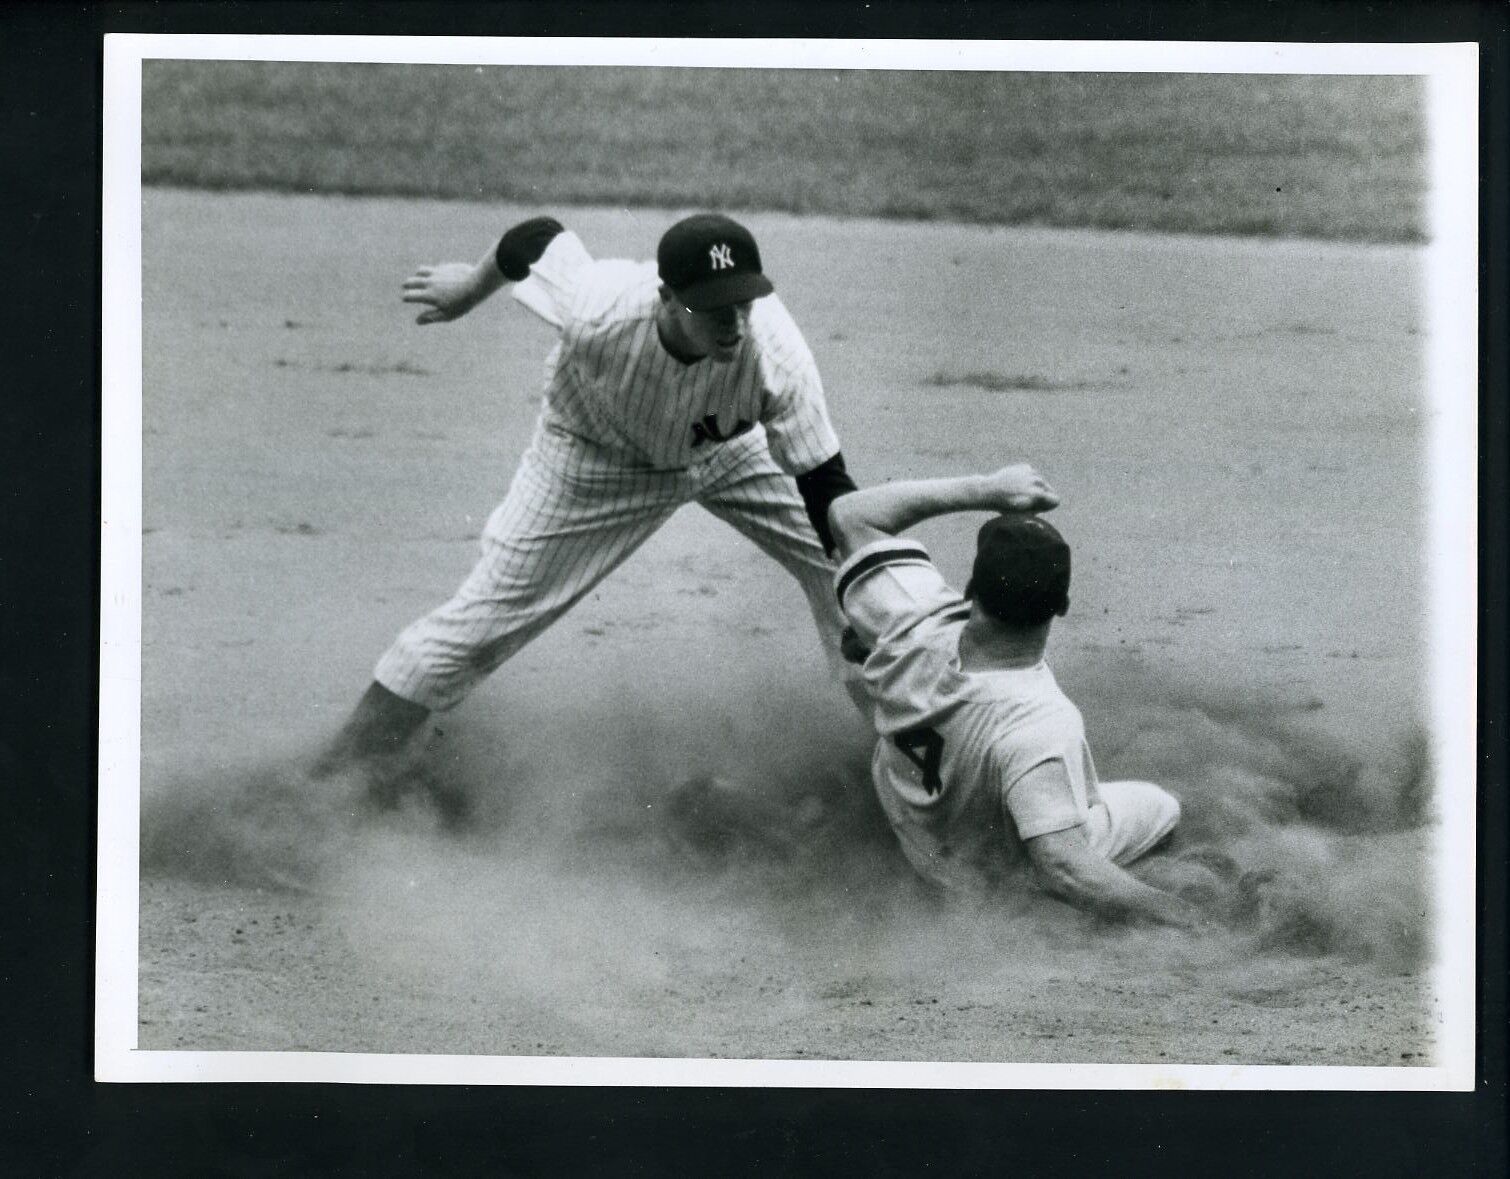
(724, 290)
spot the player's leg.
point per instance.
(1134, 819)
(380, 726)
(746, 489)
(553, 538)
(750, 492)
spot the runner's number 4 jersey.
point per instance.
(955, 744)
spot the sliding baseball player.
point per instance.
(982, 765)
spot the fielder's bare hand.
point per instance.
(449, 290)
(1020, 488)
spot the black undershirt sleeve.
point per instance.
(820, 487)
(521, 247)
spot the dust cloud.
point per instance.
(560, 863)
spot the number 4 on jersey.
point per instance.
(932, 746)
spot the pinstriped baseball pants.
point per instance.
(569, 519)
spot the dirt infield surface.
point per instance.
(1236, 428)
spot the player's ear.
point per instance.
(668, 296)
(1064, 608)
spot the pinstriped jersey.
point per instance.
(611, 382)
(955, 744)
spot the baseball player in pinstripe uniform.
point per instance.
(983, 766)
(679, 381)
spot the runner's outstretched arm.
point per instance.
(874, 513)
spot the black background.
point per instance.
(54, 1120)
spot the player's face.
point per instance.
(717, 333)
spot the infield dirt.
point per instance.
(1236, 426)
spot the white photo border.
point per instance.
(1451, 73)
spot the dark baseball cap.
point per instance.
(711, 261)
(1022, 570)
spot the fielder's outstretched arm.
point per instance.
(450, 289)
(874, 513)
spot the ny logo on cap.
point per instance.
(722, 258)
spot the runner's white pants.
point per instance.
(571, 517)
(1131, 820)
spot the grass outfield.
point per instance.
(1327, 157)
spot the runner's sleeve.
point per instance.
(793, 411)
(553, 279)
(1040, 801)
(888, 586)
